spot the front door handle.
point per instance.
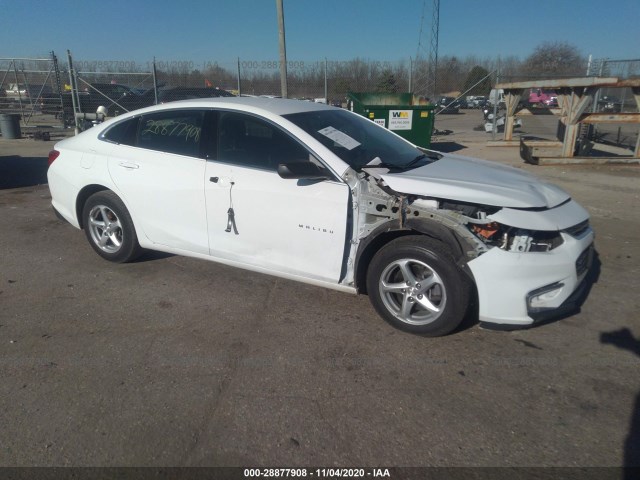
(214, 179)
(129, 166)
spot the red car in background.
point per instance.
(542, 97)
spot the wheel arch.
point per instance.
(392, 229)
(82, 198)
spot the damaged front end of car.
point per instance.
(525, 245)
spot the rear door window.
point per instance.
(172, 131)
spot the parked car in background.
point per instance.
(29, 96)
(541, 97)
(322, 195)
(34, 93)
(480, 102)
(168, 94)
(608, 103)
(475, 101)
(463, 103)
(112, 96)
(172, 94)
(119, 99)
(16, 89)
(447, 105)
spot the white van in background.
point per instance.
(496, 96)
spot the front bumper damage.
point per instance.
(528, 264)
(527, 245)
(520, 289)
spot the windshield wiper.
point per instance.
(430, 156)
(414, 161)
(377, 163)
(381, 165)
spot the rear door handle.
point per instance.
(129, 166)
(214, 179)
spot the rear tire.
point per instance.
(414, 284)
(109, 228)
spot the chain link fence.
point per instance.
(23, 84)
(122, 86)
(615, 100)
(49, 92)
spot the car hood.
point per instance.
(471, 180)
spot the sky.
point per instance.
(220, 31)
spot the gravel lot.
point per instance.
(172, 361)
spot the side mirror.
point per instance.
(302, 170)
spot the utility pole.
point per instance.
(155, 81)
(326, 92)
(239, 85)
(410, 74)
(283, 50)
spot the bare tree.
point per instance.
(450, 75)
(554, 59)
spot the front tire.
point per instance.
(415, 285)
(109, 228)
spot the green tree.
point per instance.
(387, 83)
(477, 74)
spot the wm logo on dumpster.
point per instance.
(400, 119)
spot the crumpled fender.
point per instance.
(381, 235)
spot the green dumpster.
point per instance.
(405, 114)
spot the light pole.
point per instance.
(283, 50)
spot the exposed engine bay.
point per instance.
(479, 227)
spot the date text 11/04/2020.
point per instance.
(317, 472)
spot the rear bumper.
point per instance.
(63, 196)
(59, 215)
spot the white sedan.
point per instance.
(322, 195)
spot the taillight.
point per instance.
(53, 154)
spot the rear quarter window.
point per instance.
(123, 133)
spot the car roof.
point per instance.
(276, 106)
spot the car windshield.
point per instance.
(358, 141)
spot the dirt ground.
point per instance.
(172, 361)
